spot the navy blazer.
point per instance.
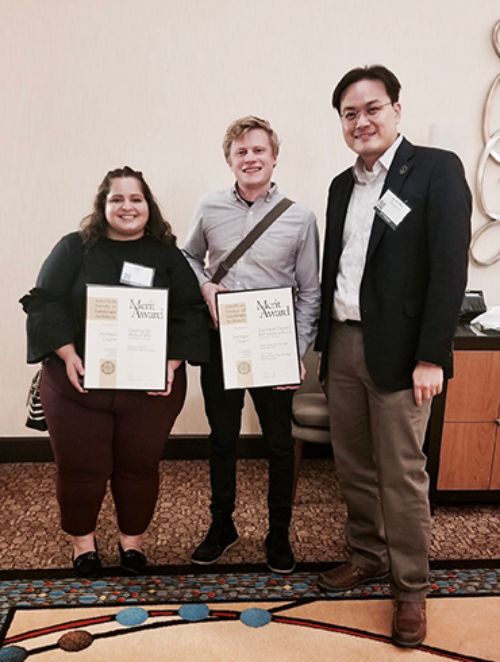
(415, 276)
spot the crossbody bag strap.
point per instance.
(250, 238)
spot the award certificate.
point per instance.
(258, 338)
(126, 338)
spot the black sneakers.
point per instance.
(278, 551)
(221, 536)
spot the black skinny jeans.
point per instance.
(223, 409)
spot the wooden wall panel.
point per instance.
(473, 393)
(466, 456)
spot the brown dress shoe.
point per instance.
(409, 626)
(346, 576)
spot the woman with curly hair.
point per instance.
(115, 435)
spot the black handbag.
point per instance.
(36, 417)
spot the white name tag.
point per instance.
(137, 275)
(391, 209)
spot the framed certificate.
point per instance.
(126, 338)
(258, 338)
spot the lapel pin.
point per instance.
(403, 169)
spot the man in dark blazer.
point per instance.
(394, 274)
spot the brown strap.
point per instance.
(250, 238)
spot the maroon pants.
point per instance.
(107, 435)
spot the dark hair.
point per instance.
(373, 72)
(94, 226)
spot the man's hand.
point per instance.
(172, 365)
(74, 365)
(208, 291)
(294, 387)
(427, 381)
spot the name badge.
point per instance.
(392, 209)
(137, 275)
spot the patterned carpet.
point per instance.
(237, 611)
(239, 616)
(30, 536)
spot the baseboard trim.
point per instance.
(178, 447)
(221, 569)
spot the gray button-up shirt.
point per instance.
(286, 254)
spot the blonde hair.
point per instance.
(241, 126)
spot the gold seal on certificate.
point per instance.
(108, 373)
(258, 338)
(126, 338)
(108, 367)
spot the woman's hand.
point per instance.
(172, 365)
(74, 365)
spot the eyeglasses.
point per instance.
(352, 115)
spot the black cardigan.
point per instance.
(56, 306)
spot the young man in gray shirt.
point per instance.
(286, 254)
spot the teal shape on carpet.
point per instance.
(255, 617)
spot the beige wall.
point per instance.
(92, 84)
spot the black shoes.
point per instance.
(278, 551)
(87, 565)
(221, 536)
(132, 560)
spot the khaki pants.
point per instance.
(377, 439)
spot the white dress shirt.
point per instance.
(357, 230)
